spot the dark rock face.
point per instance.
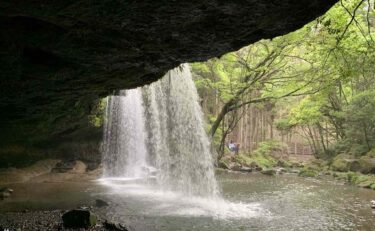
(58, 57)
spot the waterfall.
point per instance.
(157, 132)
(124, 144)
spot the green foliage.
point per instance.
(365, 181)
(96, 117)
(283, 125)
(261, 156)
(265, 148)
(307, 112)
(360, 119)
(327, 64)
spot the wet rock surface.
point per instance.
(58, 57)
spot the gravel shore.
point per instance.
(38, 220)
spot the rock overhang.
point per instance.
(57, 57)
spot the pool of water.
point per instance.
(249, 202)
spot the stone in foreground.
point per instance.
(79, 218)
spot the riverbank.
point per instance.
(343, 168)
(50, 170)
(51, 220)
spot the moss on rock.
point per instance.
(367, 164)
(308, 172)
(345, 163)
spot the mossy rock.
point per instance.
(319, 163)
(223, 164)
(219, 171)
(371, 153)
(308, 172)
(269, 172)
(345, 163)
(340, 176)
(284, 163)
(255, 160)
(367, 164)
(312, 167)
(298, 165)
(364, 181)
(365, 184)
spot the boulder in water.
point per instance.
(373, 204)
(100, 203)
(79, 218)
(5, 192)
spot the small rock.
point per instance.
(246, 169)
(100, 203)
(115, 227)
(280, 170)
(79, 218)
(63, 166)
(373, 204)
(236, 168)
(269, 172)
(293, 170)
(253, 165)
(5, 192)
